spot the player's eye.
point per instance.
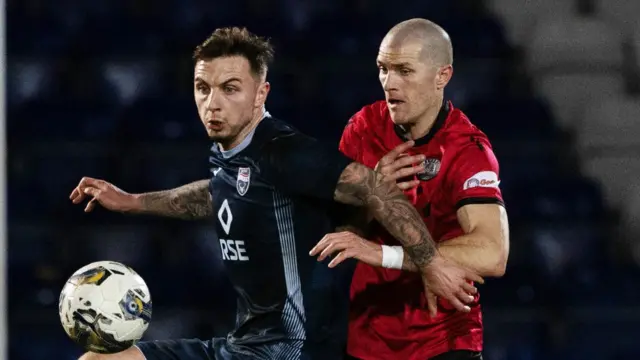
(405, 71)
(382, 69)
(202, 88)
(229, 89)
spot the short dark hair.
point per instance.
(236, 41)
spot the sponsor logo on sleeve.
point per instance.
(482, 179)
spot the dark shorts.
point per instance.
(216, 349)
(459, 355)
(452, 355)
(188, 349)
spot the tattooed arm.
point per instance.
(190, 202)
(300, 166)
(361, 186)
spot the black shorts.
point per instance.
(191, 349)
(451, 355)
(216, 349)
(459, 355)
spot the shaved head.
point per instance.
(415, 65)
(434, 42)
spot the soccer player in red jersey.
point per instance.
(448, 170)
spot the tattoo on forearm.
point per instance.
(408, 264)
(358, 185)
(421, 253)
(190, 202)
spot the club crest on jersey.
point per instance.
(244, 179)
(431, 169)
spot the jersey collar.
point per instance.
(243, 144)
(437, 125)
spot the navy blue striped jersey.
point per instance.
(273, 201)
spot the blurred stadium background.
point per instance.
(103, 88)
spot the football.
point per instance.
(105, 307)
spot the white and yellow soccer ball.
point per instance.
(105, 307)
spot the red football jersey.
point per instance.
(389, 318)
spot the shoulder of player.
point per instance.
(270, 140)
(371, 115)
(272, 131)
(280, 137)
(460, 132)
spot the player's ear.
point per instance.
(261, 96)
(444, 76)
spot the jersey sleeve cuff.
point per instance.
(334, 174)
(479, 200)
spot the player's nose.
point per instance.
(389, 83)
(213, 101)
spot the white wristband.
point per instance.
(392, 257)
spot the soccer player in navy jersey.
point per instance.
(272, 196)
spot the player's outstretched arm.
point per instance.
(190, 202)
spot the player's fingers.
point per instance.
(432, 304)
(87, 181)
(91, 191)
(406, 161)
(338, 242)
(77, 196)
(324, 242)
(404, 146)
(406, 185)
(465, 297)
(96, 183)
(319, 246)
(78, 193)
(402, 168)
(407, 172)
(393, 154)
(331, 249)
(83, 183)
(90, 205)
(342, 256)
(469, 289)
(458, 304)
(474, 277)
(74, 193)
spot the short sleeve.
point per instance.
(350, 142)
(474, 176)
(300, 165)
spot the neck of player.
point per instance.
(257, 117)
(421, 127)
